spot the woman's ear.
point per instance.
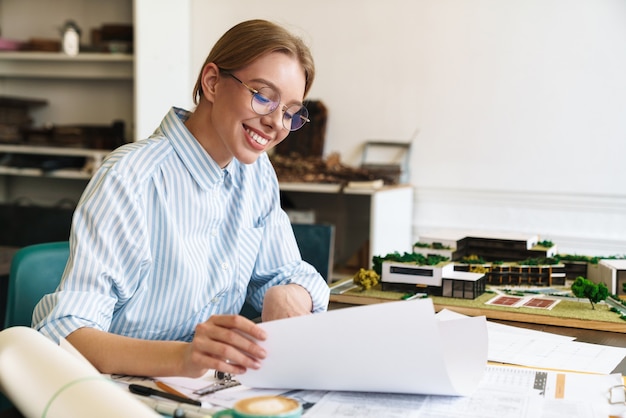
(210, 76)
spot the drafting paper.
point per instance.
(505, 392)
(396, 347)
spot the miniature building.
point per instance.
(463, 285)
(573, 269)
(439, 280)
(613, 274)
(517, 274)
(490, 246)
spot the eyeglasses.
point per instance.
(266, 100)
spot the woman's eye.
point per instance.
(262, 99)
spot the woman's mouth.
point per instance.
(257, 138)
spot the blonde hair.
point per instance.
(249, 40)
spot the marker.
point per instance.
(178, 409)
(413, 297)
(148, 391)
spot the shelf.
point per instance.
(333, 188)
(91, 89)
(310, 187)
(56, 65)
(37, 172)
(94, 155)
(43, 150)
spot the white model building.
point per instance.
(613, 274)
(439, 280)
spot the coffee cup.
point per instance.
(263, 407)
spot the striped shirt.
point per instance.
(163, 238)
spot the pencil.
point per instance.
(167, 388)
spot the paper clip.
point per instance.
(617, 395)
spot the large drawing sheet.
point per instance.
(396, 347)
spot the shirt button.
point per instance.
(215, 300)
(214, 232)
(224, 266)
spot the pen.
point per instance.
(148, 391)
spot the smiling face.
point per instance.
(236, 130)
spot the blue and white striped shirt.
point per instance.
(163, 238)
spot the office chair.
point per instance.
(317, 246)
(35, 271)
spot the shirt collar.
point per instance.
(205, 171)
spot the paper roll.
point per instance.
(45, 381)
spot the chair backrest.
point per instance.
(35, 271)
(317, 246)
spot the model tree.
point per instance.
(367, 279)
(584, 288)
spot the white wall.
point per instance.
(520, 104)
(162, 61)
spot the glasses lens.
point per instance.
(265, 101)
(295, 117)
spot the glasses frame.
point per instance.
(256, 92)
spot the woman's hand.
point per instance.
(285, 301)
(225, 343)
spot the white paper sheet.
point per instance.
(391, 347)
(525, 347)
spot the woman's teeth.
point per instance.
(257, 138)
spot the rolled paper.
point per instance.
(44, 380)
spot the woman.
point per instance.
(175, 232)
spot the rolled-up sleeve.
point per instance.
(102, 271)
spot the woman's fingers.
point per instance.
(228, 343)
